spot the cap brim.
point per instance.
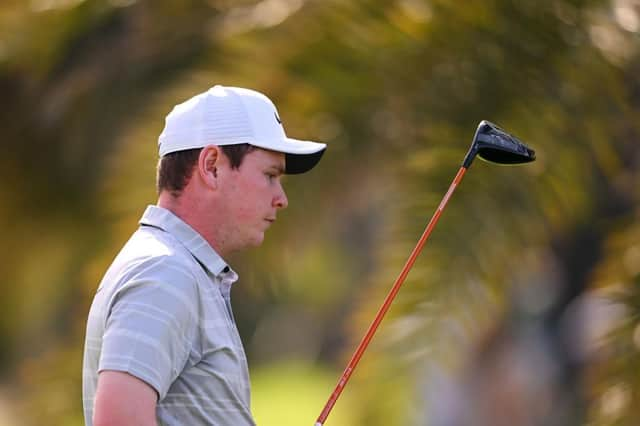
(300, 156)
(301, 163)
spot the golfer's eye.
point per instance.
(273, 174)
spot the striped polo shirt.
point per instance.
(162, 313)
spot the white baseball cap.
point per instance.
(232, 115)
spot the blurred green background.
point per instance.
(524, 308)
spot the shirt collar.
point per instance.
(194, 242)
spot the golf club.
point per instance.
(491, 144)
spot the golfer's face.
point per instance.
(255, 194)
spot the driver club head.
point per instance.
(494, 145)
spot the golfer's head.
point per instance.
(227, 147)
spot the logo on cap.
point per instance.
(277, 118)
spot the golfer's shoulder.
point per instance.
(158, 256)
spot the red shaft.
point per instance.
(387, 302)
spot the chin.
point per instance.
(258, 240)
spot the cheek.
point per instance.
(245, 212)
(247, 202)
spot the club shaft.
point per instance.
(387, 301)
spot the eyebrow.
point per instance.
(278, 167)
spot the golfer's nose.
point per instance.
(280, 200)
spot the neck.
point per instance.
(191, 211)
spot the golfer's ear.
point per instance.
(208, 164)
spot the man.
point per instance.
(161, 345)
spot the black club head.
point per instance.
(493, 144)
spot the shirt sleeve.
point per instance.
(151, 322)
